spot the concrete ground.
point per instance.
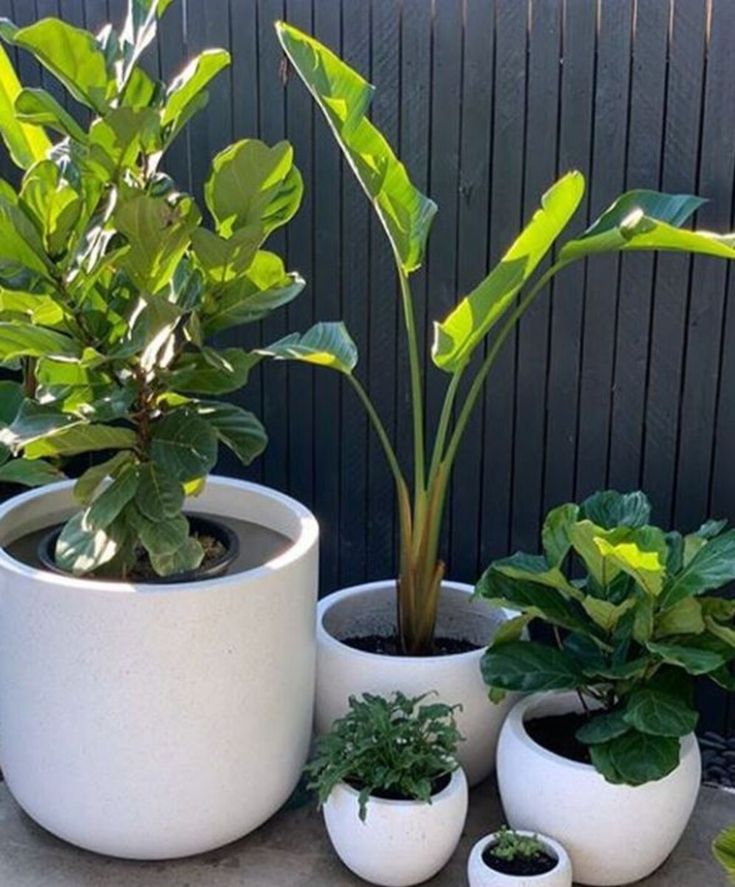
(292, 850)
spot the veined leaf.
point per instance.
(602, 728)
(183, 445)
(40, 108)
(159, 496)
(456, 337)
(711, 567)
(29, 473)
(81, 438)
(238, 429)
(11, 397)
(26, 144)
(211, 371)
(648, 220)
(182, 95)
(111, 501)
(325, 344)
(344, 96)
(86, 485)
(80, 549)
(641, 757)
(693, 659)
(661, 714)
(26, 340)
(646, 566)
(529, 667)
(610, 509)
(724, 849)
(555, 533)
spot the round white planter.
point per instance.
(614, 834)
(400, 842)
(370, 609)
(156, 721)
(481, 875)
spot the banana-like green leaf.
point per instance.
(456, 337)
(26, 144)
(724, 849)
(184, 95)
(648, 220)
(72, 55)
(38, 107)
(344, 96)
(325, 344)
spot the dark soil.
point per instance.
(556, 734)
(438, 785)
(539, 864)
(389, 645)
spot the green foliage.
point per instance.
(397, 747)
(637, 220)
(724, 849)
(510, 845)
(111, 284)
(630, 634)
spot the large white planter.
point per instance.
(400, 842)
(480, 874)
(156, 721)
(371, 609)
(614, 834)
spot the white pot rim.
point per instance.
(515, 724)
(549, 843)
(307, 538)
(456, 780)
(328, 639)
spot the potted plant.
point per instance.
(393, 795)
(603, 756)
(156, 684)
(723, 848)
(511, 858)
(392, 634)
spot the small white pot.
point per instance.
(614, 834)
(156, 721)
(481, 875)
(371, 609)
(400, 842)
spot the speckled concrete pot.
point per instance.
(400, 842)
(614, 834)
(480, 874)
(370, 609)
(157, 721)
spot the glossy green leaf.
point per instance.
(36, 106)
(658, 713)
(529, 667)
(238, 429)
(603, 727)
(511, 629)
(609, 509)
(80, 549)
(603, 763)
(73, 56)
(21, 245)
(606, 614)
(555, 532)
(111, 501)
(11, 397)
(683, 618)
(26, 144)
(711, 567)
(325, 344)
(693, 659)
(212, 372)
(641, 757)
(55, 205)
(647, 567)
(344, 96)
(81, 438)
(456, 337)
(87, 484)
(169, 546)
(183, 445)
(29, 473)
(159, 495)
(535, 568)
(183, 94)
(253, 186)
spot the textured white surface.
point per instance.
(400, 842)
(614, 834)
(158, 721)
(481, 875)
(343, 671)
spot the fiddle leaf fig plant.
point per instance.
(637, 220)
(112, 286)
(629, 635)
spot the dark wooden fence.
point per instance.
(622, 376)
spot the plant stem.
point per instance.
(417, 404)
(379, 430)
(479, 380)
(443, 426)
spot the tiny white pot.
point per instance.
(156, 721)
(371, 609)
(614, 834)
(400, 842)
(480, 874)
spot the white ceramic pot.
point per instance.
(157, 721)
(480, 874)
(371, 609)
(400, 842)
(614, 834)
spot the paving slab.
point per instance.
(292, 850)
